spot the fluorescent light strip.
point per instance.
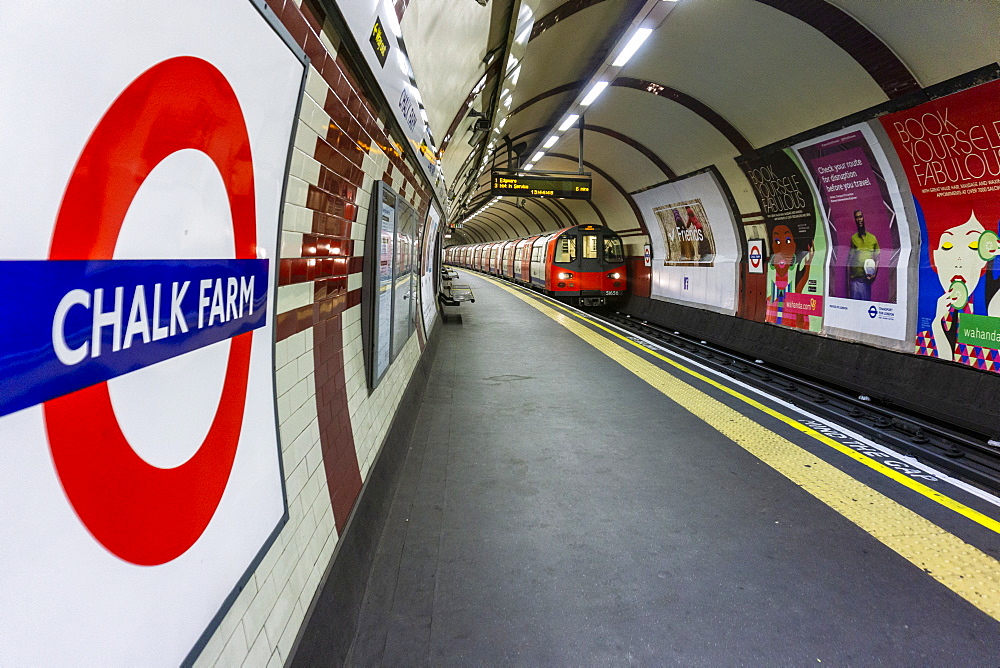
(550, 142)
(538, 156)
(633, 45)
(596, 90)
(568, 123)
(528, 167)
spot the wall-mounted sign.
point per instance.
(647, 255)
(375, 22)
(755, 256)
(379, 42)
(138, 382)
(542, 185)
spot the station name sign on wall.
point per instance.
(143, 478)
(550, 185)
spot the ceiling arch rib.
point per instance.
(469, 235)
(572, 87)
(563, 11)
(861, 44)
(506, 226)
(597, 212)
(571, 217)
(710, 116)
(473, 236)
(548, 212)
(486, 220)
(533, 217)
(560, 223)
(614, 184)
(651, 155)
(641, 148)
(515, 216)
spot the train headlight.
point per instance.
(564, 275)
(614, 275)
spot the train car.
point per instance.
(478, 263)
(582, 265)
(509, 249)
(522, 261)
(585, 265)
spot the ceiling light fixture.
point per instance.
(538, 156)
(550, 142)
(596, 90)
(633, 45)
(568, 123)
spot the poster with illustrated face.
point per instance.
(695, 245)
(950, 152)
(796, 274)
(869, 236)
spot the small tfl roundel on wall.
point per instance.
(755, 256)
(138, 383)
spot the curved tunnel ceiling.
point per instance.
(717, 78)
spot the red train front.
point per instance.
(585, 265)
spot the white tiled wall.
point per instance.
(261, 627)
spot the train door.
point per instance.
(538, 260)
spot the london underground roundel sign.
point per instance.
(144, 514)
(755, 256)
(143, 479)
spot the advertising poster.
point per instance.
(404, 277)
(384, 295)
(796, 272)
(428, 284)
(695, 245)
(687, 233)
(950, 151)
(868, 234)
(141, 473)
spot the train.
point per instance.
(582, 265)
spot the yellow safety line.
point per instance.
(922, 489)
(969, 572)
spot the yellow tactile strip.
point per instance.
(966, 570)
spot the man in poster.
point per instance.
(862, 261)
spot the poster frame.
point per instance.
(371, 296)
(734, 212)
(888, 163)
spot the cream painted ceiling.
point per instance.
(763, 69)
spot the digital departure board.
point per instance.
(569, 186)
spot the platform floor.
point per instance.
(556, 508)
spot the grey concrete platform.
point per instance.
(556, 510)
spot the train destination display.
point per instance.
(542, 185)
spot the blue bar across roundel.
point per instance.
(69, 324)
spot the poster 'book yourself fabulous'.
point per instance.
(950, 151)
(797, 242)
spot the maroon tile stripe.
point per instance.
(327, 256)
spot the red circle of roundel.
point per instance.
(144, 514)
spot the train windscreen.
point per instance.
(613, 250)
